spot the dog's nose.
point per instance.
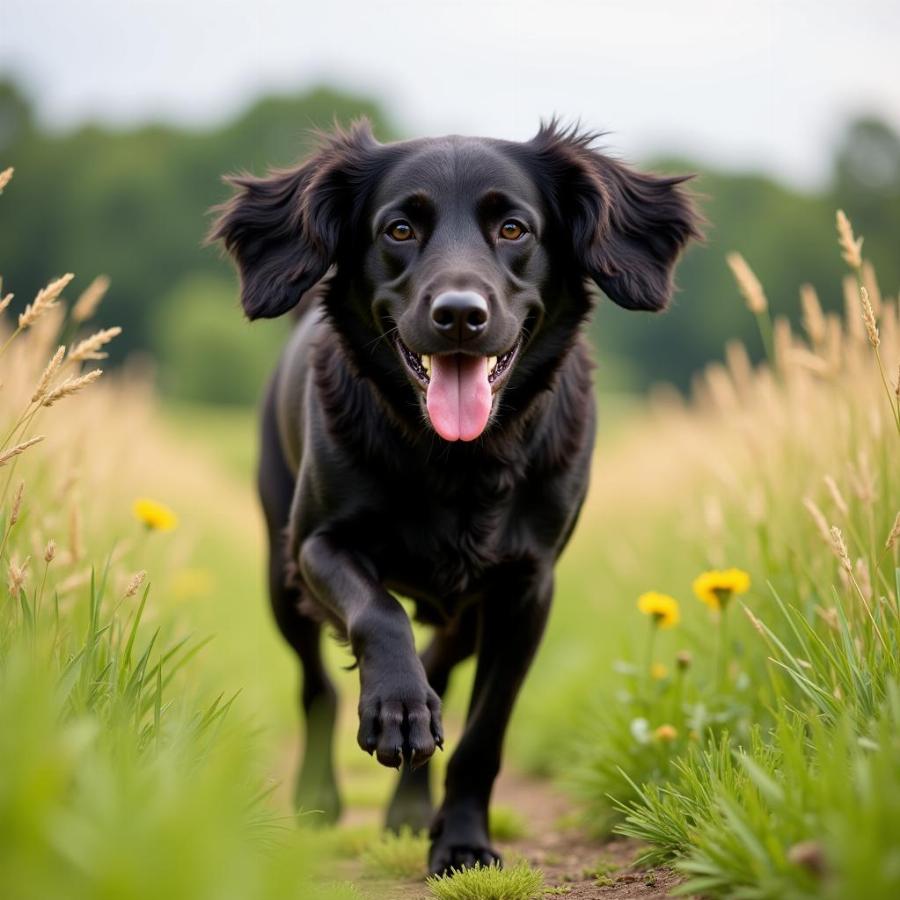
(459, 314)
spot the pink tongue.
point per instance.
(459, 396)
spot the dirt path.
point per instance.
(576, 866)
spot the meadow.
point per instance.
(720, 681)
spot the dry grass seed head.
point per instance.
(748, 284)
(818, 518)
(7, 455)
(868, 316)
(840, 549)
(51, 369)
(87, 303)
(50, 551)
(836, 495)
(851, 247)
(739, 366)
(46, 299)
(813, 317)
(16, 507)
(5, 178)
(894, 534)
(870, 282)
(783, 341)
(135, 582)
(72, 386)
(89, 348)
(17, 573)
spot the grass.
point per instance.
(400, 856)
(506, 824)
(519, 882)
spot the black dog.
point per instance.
(429, 428)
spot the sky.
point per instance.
(754, 84)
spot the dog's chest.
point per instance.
(441, 544)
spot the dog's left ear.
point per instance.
(626, 228)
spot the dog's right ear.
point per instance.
(284, 230)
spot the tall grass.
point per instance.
(120, 776)
(761, 759)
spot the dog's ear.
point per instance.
(627, 228)
(284, 230)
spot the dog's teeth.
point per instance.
(491, 363)
(426, 364)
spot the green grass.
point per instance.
(506, 824)
(519, 882)
(402, 856)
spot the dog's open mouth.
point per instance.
(458, 388)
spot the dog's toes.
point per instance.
(420, 738)
(389, 751)
(437, 728)
(367, 736)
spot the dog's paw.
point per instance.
(459, 840)
(445, 856)
(399, 714)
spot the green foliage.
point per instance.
(813, 811)
(519, 882)
(506, 824)
(400, 855)
(207, 350)
(109, 787)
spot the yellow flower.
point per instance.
(155, 516)
(662, 607)
(666, 733)
(658, 671)
(716, 587)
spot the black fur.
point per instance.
(371, 499)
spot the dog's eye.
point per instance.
(400, 231)
(511, 230)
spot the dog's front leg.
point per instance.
(399, 713)
(512, 622)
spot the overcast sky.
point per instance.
(753, 83)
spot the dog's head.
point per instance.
(470, 256)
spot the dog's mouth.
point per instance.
(459, 388)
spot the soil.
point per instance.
(573, 864)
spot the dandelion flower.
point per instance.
(716, 587)
(658, 672)
(662, 607)
(665, 733)
(154, 516)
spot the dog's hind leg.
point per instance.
(412, 804)
(316, 787)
